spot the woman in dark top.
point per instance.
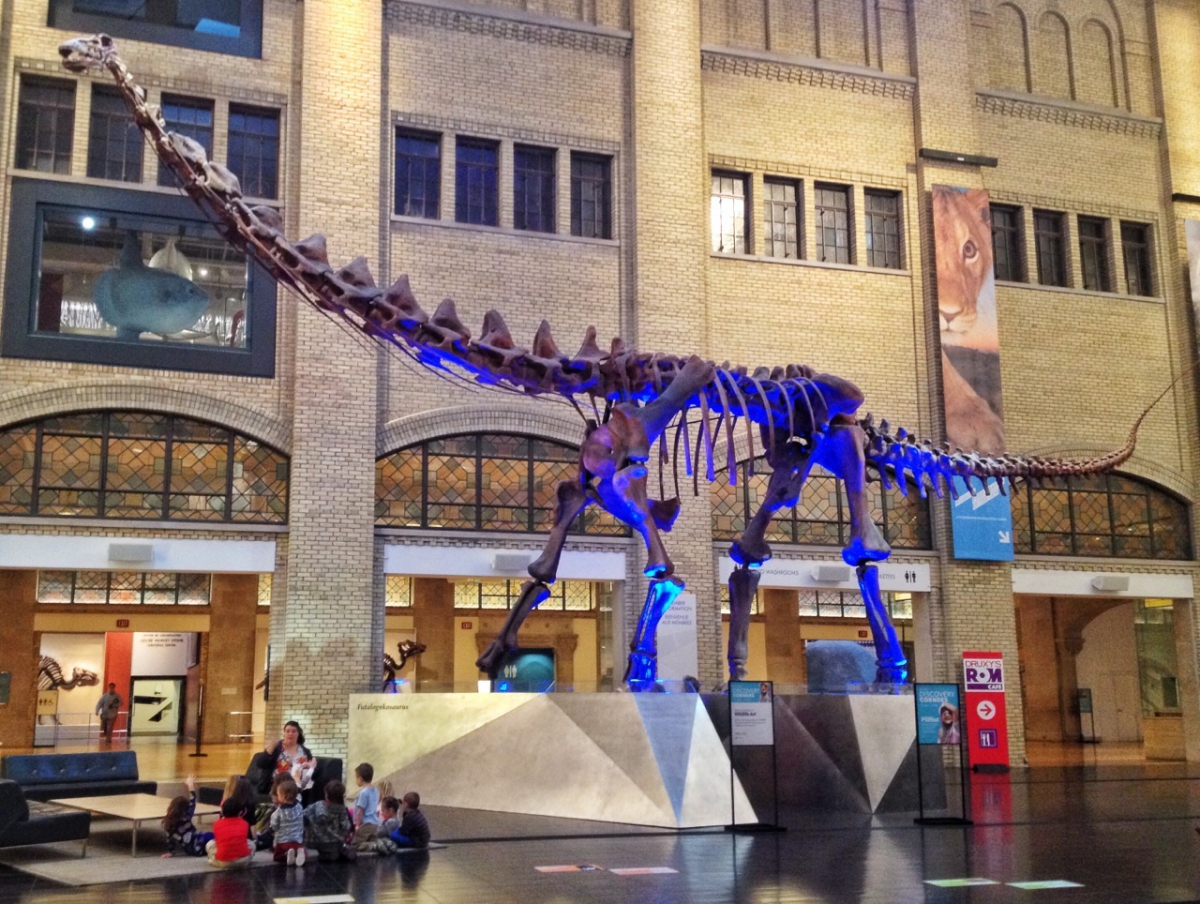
(288, 754)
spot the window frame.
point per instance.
(59, 111)
(530, 181)
(1094, 242)
(876, 218)
(265, 113)
(107, 486)
(1012, 238)
(435, 139)
(534, 515)
(96, 138)
(465, 172)
(1147, 257)
(772, 206)
(62, 14)
(19, 337)
(743, 241)
(1051, 248)
(166, 177)
(822, 211)
(603, 204)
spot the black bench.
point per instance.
(45, 776)
(22, 824)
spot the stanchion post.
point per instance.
(199, 723)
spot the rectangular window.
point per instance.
(591, 196)
(84, 257)
(1093, 253)
(781, 217)
(218, 26)
(254, 149)
(883, 229)
(476, 183)
(1135, 246)
(1009, 258)
(833, 223)
(114, 141)
(190, 116)
(418, 174)
(45, 122)
(729, 194)
(1049, 236)
(533, 188)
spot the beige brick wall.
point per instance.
(842, 91)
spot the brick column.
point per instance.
(326, 643)
(669, 187)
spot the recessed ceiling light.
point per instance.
(88, 223)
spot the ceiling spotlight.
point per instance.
(88, 223)
(204, 271)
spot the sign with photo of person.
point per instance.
(938, 714)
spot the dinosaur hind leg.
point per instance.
(642, 671)
(842, 453)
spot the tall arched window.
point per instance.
(136, 464)
(1107, 515)
(481, 481)
(1052, 57)
(822, 518)
(1097, 72)
(1009, 49)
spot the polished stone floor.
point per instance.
(1122, 833)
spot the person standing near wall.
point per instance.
(108, 708)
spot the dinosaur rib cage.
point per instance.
(787, 399)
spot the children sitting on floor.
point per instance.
(230, 845)
(328, 824)
(366, 814)
(414, 827)
(287, 824)
(181, 831)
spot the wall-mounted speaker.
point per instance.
(1110, 583)
(832, 574)
(131, 553)
(510, 563)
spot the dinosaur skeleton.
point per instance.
(50, 678)
(804, 418)
(406, 650)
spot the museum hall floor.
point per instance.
(1120, 833)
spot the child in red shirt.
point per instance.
(229, 847)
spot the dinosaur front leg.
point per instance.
(641, 673)
(533, 594)
(891, 665)
(572, 499)
(742, 585)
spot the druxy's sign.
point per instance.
(987, 722)
(983, 674)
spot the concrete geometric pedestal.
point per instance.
(639, 759)
(846, 753)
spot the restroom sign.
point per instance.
(987, 725)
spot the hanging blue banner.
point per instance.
(982, 523)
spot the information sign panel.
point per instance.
(938, 714)
(752, 713)
(987, 725)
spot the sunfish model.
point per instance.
(138, 299)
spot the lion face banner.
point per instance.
(966, 294)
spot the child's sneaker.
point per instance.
(301, 856)
(291, 855)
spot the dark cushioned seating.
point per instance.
(45, 776)
(328, 769)
(42, 823)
